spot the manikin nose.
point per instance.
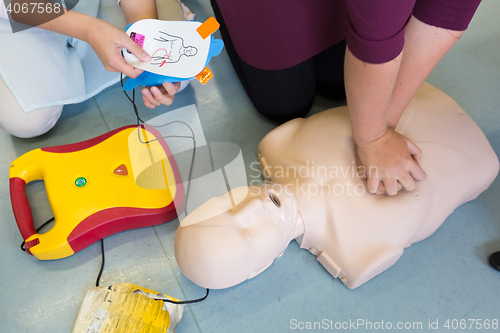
(251, 211)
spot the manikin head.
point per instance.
(219, 244)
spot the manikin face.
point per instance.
(228, 243)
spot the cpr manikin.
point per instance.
(316, 197)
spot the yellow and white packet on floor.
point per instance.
(127, 308)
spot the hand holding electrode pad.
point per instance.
(180, 50)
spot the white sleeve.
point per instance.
(3, 11)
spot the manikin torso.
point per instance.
(358, 236)
(354, 234)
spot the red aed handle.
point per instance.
(21, 207)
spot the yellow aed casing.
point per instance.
(93, 190)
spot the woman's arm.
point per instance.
(375, 42)
(369, 88)
(424, 47)
(106, 39)
(373, 35)
(385, 154)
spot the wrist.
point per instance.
(392, 124)
(393, 118)
(366, 139)
(94, 30)
(90, 28)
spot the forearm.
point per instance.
(69, 23)
(424, 47)
(368, 89)
(138, 10)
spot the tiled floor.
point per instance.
(444, 277)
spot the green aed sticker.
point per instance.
(80, 182)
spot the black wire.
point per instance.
(102, 247)
(139, 121)
(178, 302)
(132, 100)
(37, 230)
(189, 301)
(102, 264)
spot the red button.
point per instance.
(121, 170)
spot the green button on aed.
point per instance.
(80, 182)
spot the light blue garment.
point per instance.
(43, 68)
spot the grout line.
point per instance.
(100, 112)
(176, 279)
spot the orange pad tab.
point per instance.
(208, 27)
(205, 75)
